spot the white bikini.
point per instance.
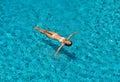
(61, 40)
(53, 36)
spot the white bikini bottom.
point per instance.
(53, 36)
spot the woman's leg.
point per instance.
(48, 33)
(40, 30)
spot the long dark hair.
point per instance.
(69, 44)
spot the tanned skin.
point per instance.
(65, 41)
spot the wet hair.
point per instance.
(69, 44)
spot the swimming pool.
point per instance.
(28, 56)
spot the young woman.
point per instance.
(53, 35)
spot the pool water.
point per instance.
(27, 55)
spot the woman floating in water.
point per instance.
(53, 35)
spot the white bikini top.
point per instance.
(61, 40)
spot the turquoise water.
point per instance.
(27, 55)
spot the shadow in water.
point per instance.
(63, 51)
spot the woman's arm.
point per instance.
(71, 35)
(59, 49)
